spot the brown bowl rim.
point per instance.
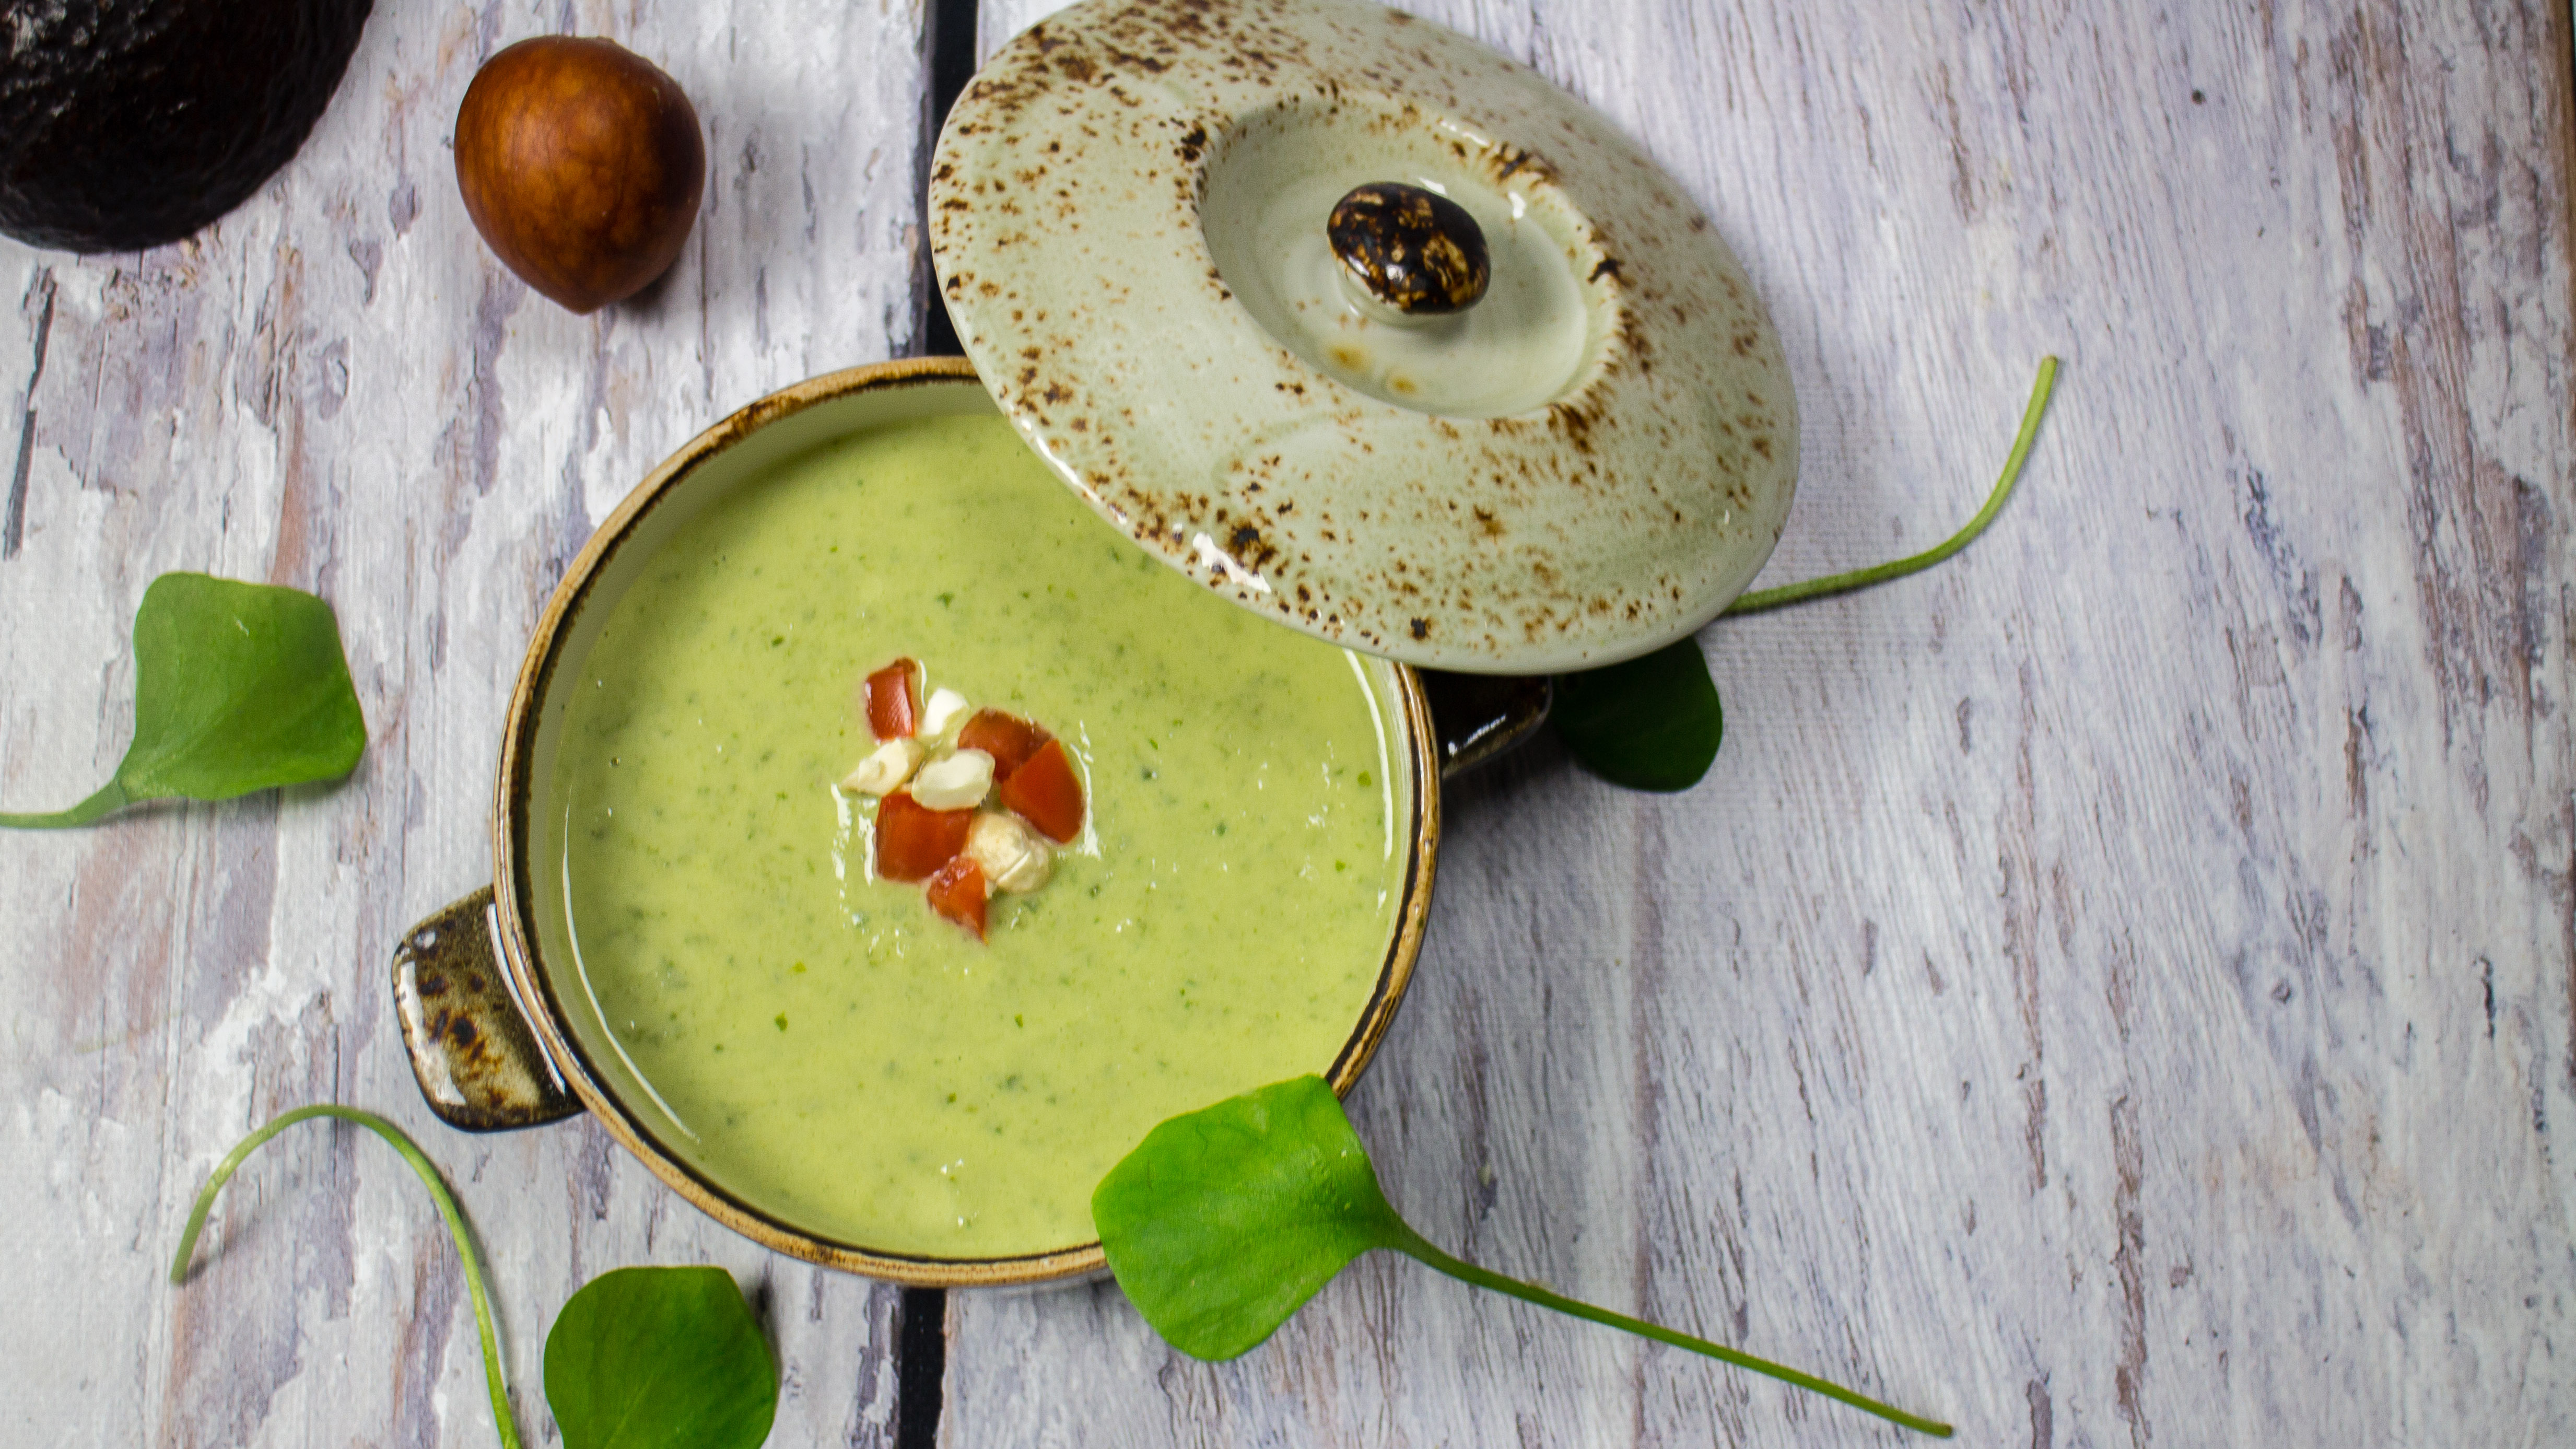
(516, 905)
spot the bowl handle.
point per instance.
(478, 1063)
(1477, 717)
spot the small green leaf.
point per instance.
(1650, 723)
(1224, 1221)
(237, 687)
(648, 1357)
(447, 1208)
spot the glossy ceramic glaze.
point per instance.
(1128, 218)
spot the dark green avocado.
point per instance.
(125, 124)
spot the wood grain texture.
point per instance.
(336, 387)
(2115, 989)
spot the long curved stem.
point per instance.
(447, 1208)
(1844, 583)
(1413, 1245)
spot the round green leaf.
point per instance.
(237, 687)
(1224, 1221)
(643, 1358)
(1650, 723)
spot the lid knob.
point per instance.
(1413, 252)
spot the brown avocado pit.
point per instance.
(581, 165)
(125, 124)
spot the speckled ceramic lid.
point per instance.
(1128, 216)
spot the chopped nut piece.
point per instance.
(1015, 861)
(945, 712)
(884, 772)
(958, 782)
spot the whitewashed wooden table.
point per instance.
(2114, 990)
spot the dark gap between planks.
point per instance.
(921, 1334)
(950, 56)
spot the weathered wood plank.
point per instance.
(2116, 989)
(2097, 1012)
(337, 388)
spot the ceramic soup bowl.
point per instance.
(506, 1029)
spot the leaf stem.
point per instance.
(447, 1208)
(111, 796)
(1413, 1245)
(1831, 584)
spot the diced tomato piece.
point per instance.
(894, 700)
(1009, 739)
(913, 840)
(1047, 793)
(958, 893)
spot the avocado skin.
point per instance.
(125, 124)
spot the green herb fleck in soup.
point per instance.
(826, 1049)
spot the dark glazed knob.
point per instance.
(1416, 251)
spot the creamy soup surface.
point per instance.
(819, 1043)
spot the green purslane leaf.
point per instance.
(660, 1358)
(1224, 1221)
(447, 1208)
(237, 687)
(1649, 723)
(1653, 723)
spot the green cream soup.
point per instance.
(816, 1041)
